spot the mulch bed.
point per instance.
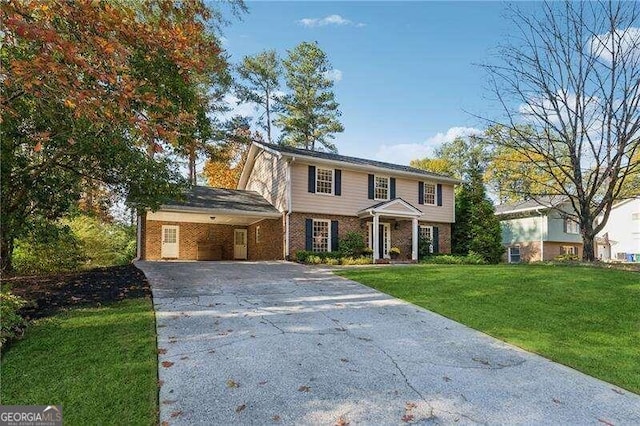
(51, 294)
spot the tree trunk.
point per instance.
(6, 254)
(588, 248)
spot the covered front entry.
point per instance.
(380, 231)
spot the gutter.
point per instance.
(541, 235)
(138, 238)
(287, 218)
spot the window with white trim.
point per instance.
(381, 189)
(257, 234)
(514, 254)
(429, 193)
(426, 232)
(571, 226)
(321, 235)
(573, 250)
(324, 181)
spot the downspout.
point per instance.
(541, 235)
(287, 219)
(138, 238)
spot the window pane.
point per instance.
(429, 193)
(320, 235)
(170, 235)
(324, 181)
(382, 188)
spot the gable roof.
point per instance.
(205, 198)
(395, 207)
(354, 161)
(544, 202)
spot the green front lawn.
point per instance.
(583, 317)
(99, 363)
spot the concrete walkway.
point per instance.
(279, 343)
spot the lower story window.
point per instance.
(426, 234)
(321, 235)
(514, 255)
(569, 250)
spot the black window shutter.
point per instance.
(334, 235)
(392, 189)
(371, 188)
(436, 240)
(338, 182)
(420, 192)
(312, 179)
(439, 193)
(308, 240)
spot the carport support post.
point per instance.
(414, 239)
(376, 237)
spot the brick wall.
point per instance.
(530, 250)
(271, 242)
(400, 237)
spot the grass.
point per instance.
(586, 318)
(100, 364)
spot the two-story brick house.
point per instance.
(293, 199)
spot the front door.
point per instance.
(240, 244)
(384, 234)
(170, 238)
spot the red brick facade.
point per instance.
(217, 239)
(530, 250)
(401, 233)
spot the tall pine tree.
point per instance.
(310, 112)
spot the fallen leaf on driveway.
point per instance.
(557, 401)
(606, 422)
(264, 382)
(344, 360)
(162, 351)
(304, 388)
(160, 383)
(169, 401)
(165, 423)
(176, 414)
(410, 406)
(167, 364)
(342, 422)
(617, 391)
(239, 408)
(183, 358)
(232, 384)
(276, 418)
(408, 418)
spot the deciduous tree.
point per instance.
(572, 74)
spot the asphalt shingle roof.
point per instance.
(205, 197)
(352, 160)
(547, 201)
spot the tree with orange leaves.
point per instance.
(89, 90)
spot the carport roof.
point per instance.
(204, 198)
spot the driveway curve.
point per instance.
(280, 343)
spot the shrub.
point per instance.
(394, 251)
(566, 258)
(448, 259)
(355, 261)
(332, 261)
(104, 244)
(424, 247)
(303, 256)
(351, 245)
(367, 252)
(48, 248)
(12, 323)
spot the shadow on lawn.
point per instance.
(51, 294)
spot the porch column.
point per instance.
(376, 237)
(414, 239)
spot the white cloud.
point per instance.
(403, 153)
(242, 109)
(328, 20)
(625, 42)
(334, 75)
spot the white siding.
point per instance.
(355, 196)
(269, 179)
(623, 229)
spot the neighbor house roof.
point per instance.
(205, 198)
(544, 202)
(354, 161)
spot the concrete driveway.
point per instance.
(280, 343)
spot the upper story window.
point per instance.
(381, 189)
(571, 226)
(430, 193)
(324, 181)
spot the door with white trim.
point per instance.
(384, 235)
(240, 244)
(170, 242)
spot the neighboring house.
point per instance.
(622, 232)
(538, 230)
(293, 199)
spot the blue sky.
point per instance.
(407, 76)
